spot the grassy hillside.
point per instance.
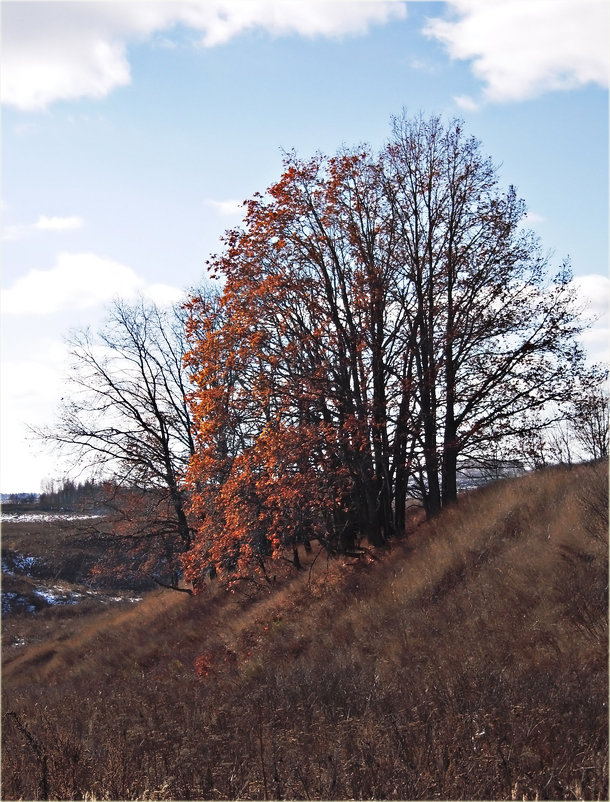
(467, 661)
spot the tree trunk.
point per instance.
(449, 476)
(450, 446)
(433, 498)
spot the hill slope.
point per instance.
(469, 660)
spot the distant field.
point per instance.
(47, 558)
(467, 661)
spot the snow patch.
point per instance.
(48, 517)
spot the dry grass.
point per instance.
(468, 661)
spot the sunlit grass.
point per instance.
(468, 660)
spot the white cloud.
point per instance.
(466, 102)
(31, 388)
(44, 223)
(424, 65)
(160, 294)
(534, 219)
(220, 21)
(594, 289)
(67, 51)
(80, 281)
(594, 292)
(12, 233)
(227, 208)
(596, 342)
(522, 48)
(36, 374)
(58, 53)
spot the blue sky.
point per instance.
(132, 130)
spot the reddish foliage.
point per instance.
(380, 316)
(142, 537)
(203, 664)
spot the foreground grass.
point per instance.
(469, 661)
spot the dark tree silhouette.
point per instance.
(381, 317)
(125, 418)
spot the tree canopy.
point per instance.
(382, 316)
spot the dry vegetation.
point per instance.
(469, 661)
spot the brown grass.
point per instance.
(468, 661)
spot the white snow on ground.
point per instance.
(47, 517)
(57, 595)
(19, 562)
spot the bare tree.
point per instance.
(494, 335)
(125, 417)
(561, 443)
(591, 415)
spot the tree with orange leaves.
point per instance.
(381, 317)
(289, 415)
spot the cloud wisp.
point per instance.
(521, 49)
(593, 291)
(79, 50)
(80, 281)
(227, 208)
(44, 223)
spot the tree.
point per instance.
(494, 339)
(382, 316)
(126, 420)
(71, 496)
(298, 344)
(577, 431)
(591, 415)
